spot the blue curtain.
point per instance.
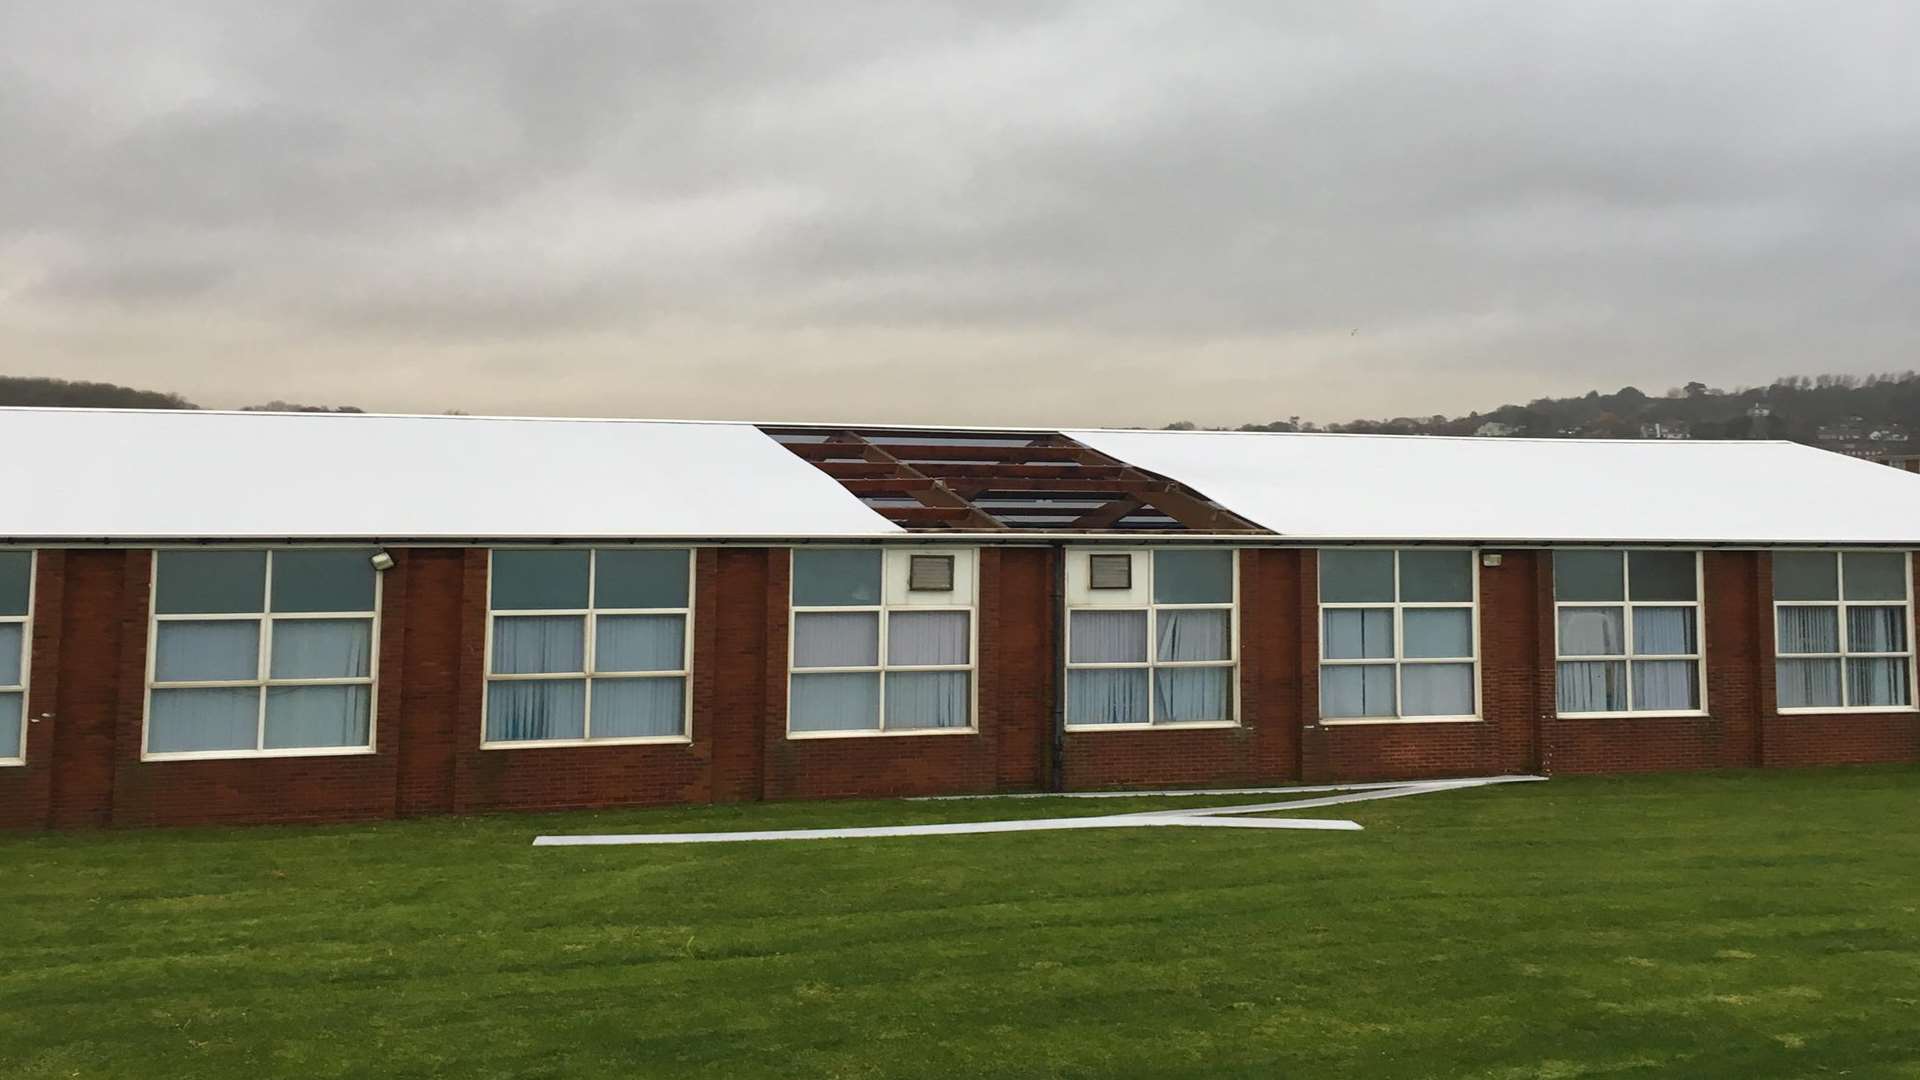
(918, 700)
(525, 710)
(322, 649)
(207, 651)
(1806, 684)
(1436, 689)
(837, 701)
(12, 707)
(537, 644)
(1592, 685)
(1191, 695)
(315, 716)
(1107, 696)
(217, 718)
(639, 708)
(1356, 690)
(639, 643)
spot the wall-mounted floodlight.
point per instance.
(381, 560)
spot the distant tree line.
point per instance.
(37, 390)
(1791, 407)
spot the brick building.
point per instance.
(281, 617)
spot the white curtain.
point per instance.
(836, 639)
(217, 718)
(1666, 685)
(1808, 630)
(1437, 632)
(1664, 631)
(12, 706)
(522, 710)
(1189, 695)
(926, 638)
(1876, 629)
(1436, 689)
(1593, 631)
(927, 699)
(639, 643)
(1109, 637)
(1193, 635)
(1592, 686)
(207, 651)
(839, 701)
(535, 644)
(1355, 690)
(12, 637)
(322, 649)
(317, 716)
(1107, 696)
(1877, 682)
(638, 708)
(1359, 633)
(1806, 684)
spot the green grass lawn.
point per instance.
(1730, 924)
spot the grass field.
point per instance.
(1731, 924)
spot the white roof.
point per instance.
(137, 474)
(1384, 487)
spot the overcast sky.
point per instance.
(1107, 212)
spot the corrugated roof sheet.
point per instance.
(132, 474)
(1367, 487)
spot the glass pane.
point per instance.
(1193, 577)
(210, 582)
(1192, 695)
(13, 637)
(1436, 577)
(11, 707)
(1877, 629)
(839, 702)
(1438, 632)
(323, 579)
(220, 718)
(16, 578)
(1437, 689)
(1875, 575)
(207, 651)
(1355, 577)
(1666, 685)
(1588, 686)
(1357, 634)
(639, 642)
(1876, 682)
(553, 580)
(1805, 684)
(1588, 576)
(317, 716)
(1664, 631)
(1593, 631)
(1113, 696)
(534, 644)
(830, 577)
(919, 700)
(1194, 635)
(322, 648)
(927, 637)
(1109, 637)
(1350, 691)
(1805, 575)
(524, 711)
(1806, 629)
(639, 708)
(640, 578)
(836, 639)
(1662, 575)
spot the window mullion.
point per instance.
(265, 658)
(880, 661)
(591, 630)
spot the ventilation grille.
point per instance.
(930, 573)
(1110, 571)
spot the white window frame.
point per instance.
(265, 618)
(588, 674)
(25, 688)
(1841, 604)
(1399, 660)
(884, 613)
(1142, 585)
(1629, 656)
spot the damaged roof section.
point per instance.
(947, 480)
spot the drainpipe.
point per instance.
(1057, 612)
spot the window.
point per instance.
(1151, 637)
(1628, 627)
(1398, 637)
(587, 645)
(262, 652)
(1841, 630)
(873, 654)
(16, 650)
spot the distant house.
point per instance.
(1494, 429)
(248, 617)
(1666, 430)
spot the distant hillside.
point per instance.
(34, 390)
(1829, 410)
